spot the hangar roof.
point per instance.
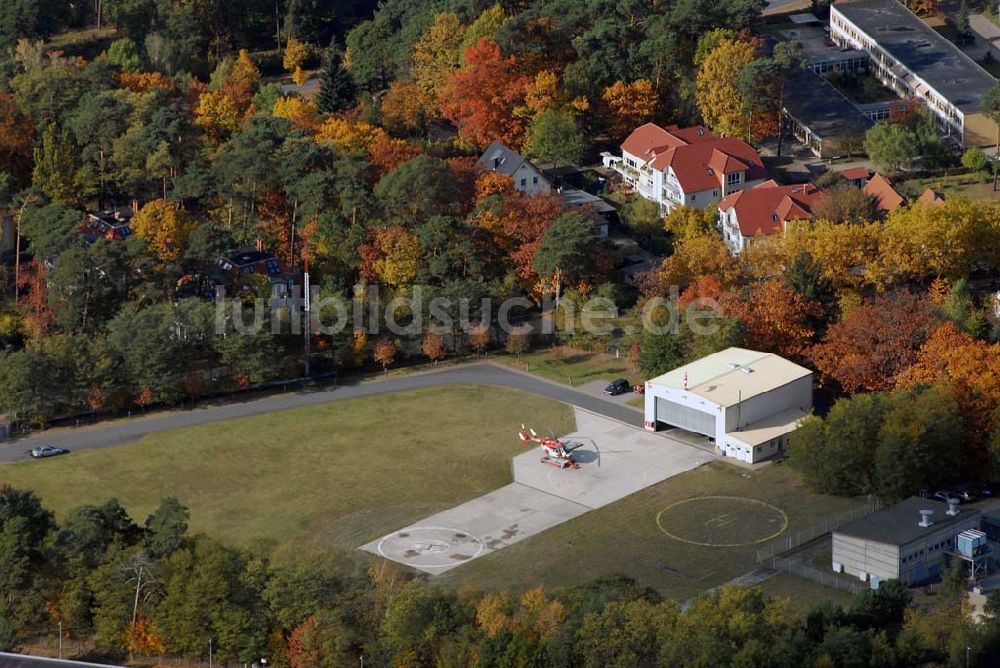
(732, 375)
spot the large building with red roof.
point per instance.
(692, 167)
(763, 210)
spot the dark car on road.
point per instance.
(44, 451)
(617, 387)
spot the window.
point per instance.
(534, 179)
(272, 266)
(734, 178)
(694, 197)
(715, 193)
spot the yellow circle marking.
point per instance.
(784, 521)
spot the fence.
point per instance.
(799, 538)
(816, 575)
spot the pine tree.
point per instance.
(336, 87)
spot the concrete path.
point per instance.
(123, 431)
(615, 459)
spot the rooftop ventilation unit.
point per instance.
(952, 507)
(732, 365)
(744, 369)
(925, 518)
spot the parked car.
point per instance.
(617, 387)
(947, 496)
(639, 389)
(47, 451)
(986, 491)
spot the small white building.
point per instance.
(747, 401)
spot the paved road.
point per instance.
(25, 661)
(123, 431)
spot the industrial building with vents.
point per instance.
(911, 541)
(748, 402)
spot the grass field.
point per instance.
(624, 538)
(570, 366)
(803, 593)
(974, 187)
(335, 475)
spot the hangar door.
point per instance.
(685, 417)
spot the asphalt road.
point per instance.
(119, 432)
(25, 661)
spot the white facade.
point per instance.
(746, 401)
(893, 74)
(729, 225)
(665, 189)
(529, 180)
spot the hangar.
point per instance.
(747, 401)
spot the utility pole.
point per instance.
(209, 653)
(60, 640)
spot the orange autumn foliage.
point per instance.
(141, 82)
(517, 221)
(969, 366)
(875, 342)
(387, 153)
(777, 319)
(481, 97)
(629, 105)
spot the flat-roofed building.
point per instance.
(912, 59)
(747, 401)
(910, 541)
(821, 117)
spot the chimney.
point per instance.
(925, 518)
(952, 507)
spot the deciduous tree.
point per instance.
(385, 352)
(555, 137)
(165, 227)
(875, 342)
(480, 98)
(629, 105)
(718, 95)
(433, 347)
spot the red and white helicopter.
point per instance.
(554, 451)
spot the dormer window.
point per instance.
(734, 178)
(711, 172)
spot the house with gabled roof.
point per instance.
(763, 210)
(676, 166)
(527, 178)
(886, 198)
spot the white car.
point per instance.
(47, 451)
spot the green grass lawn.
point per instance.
(335, 475)
(570, 366)
(974, 187)
(803, 593)
(624, 538)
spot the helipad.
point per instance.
(615, 459)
